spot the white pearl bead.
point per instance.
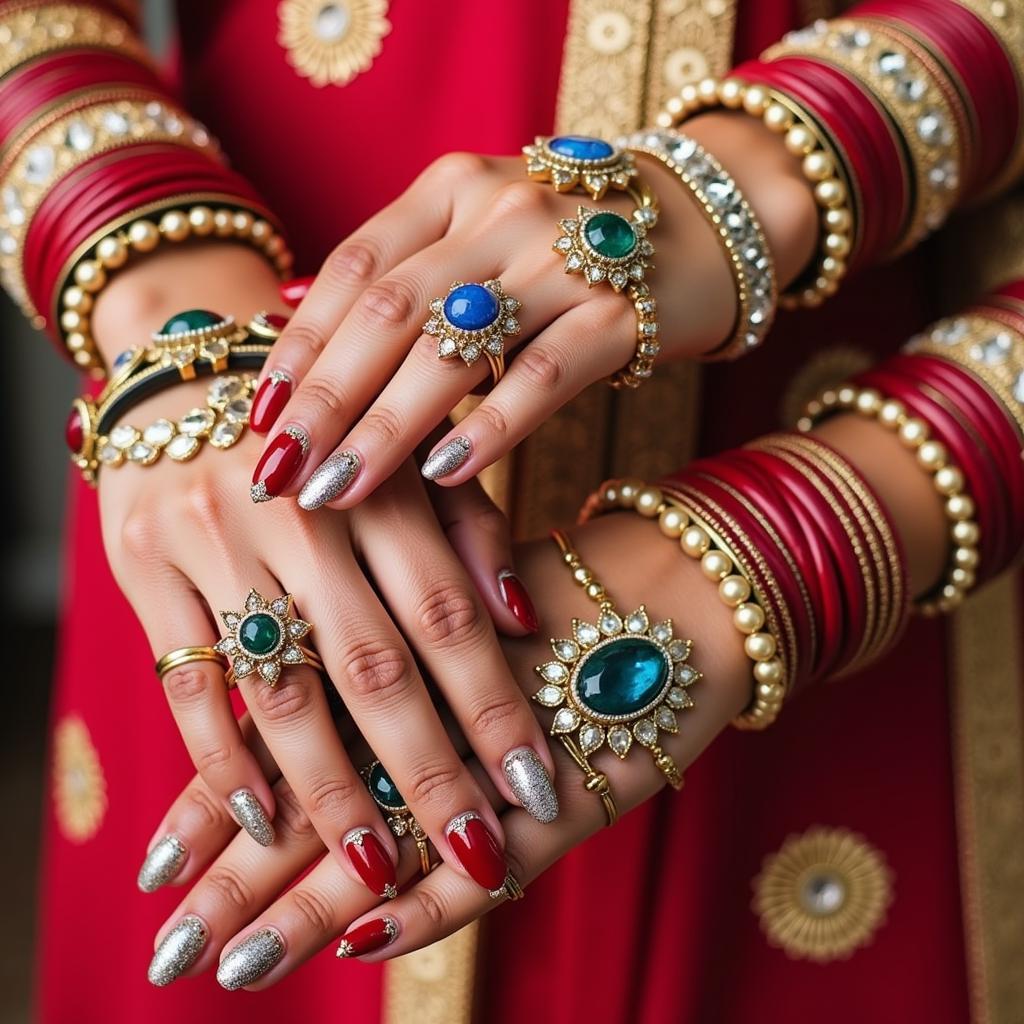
(143, 236)
(716, 565)
(694, 541)
(673, 521)
(913, 432)
(748, 618)
(734, 590)
(960, 506)
(932, 455)
(759, 646)
(948, 480)
(966, 558)
(769, 671)
(647, 502)
(891, 413)
(966, 532)
(868, 402)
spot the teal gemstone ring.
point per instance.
(604, 246)
(396, 812)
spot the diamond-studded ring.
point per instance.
(579, 161)
(473, 320)
(395, 810)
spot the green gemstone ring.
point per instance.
(391, 802)
(605, 246)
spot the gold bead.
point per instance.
(143, 235)
(952, 594)
(70, 320)
(594, 591)
(965, 532)
(664, 119)
(759, 646)
(831, 192)
(913, 432)
(84, 357)
(716, 565)
(610, 494)
(966, 558)
(846, 396)
(90, 276)
(818, 166)
(800, 140)
(648, 501)
(583, 576)
(674, 105)
(707, 90)
(628, 490)
(960, 506)
(274, 245)
(242, 221)
(688, 94)
(963, 578)
(77, 299)
(285, 261)
(112, 252)
(868, 402)
(777, 118)
(673, 521)
(811, 299)
(222, 223)
(836, 245)
(694, 541)
(830, 397)
(891, 413)
(770, 693)
(261, 231)
(932, 455)
(755, 99)
(838, 220)
(832, 268)
(734, 590)
(748, 618)
(174, 226)
(826, 286)
(769, 671)
(76, 341)
(201, 219)
(730, 93)
(948, 480)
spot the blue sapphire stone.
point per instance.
(471, 307)
(622, 677)
(122, 359)
(581, 147)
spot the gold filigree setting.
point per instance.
(79, 787)
(330, 42)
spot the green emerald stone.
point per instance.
(383, 790)
(622, 677)
(610, 235)
(259, 633)
(191, 320)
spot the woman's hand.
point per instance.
(369, 385)
(259, 936)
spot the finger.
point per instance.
(587, 344)
(436, 607)
(479, 533)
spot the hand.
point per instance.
(370, 383)
(237, 890)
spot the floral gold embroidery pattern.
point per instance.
(331, 41)
(79, 788)
(823, 895)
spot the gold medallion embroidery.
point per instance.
(79, 788)
(823, 895)
(331, 41)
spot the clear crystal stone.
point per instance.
(891, 63)
(109, 455)
(620, 739)
(823, 894)
(142, 452)
(994, 351)
(637, 622)
(115, 122)
(591, 737)
(610, 624)
(565, 720)
(931, 127)
(471, 352)
(279, 606)
(242, 666)
(331, 22)
(159, 433)
(224, 389)
(292, 655)
(554, 672)
(679, 698)
(949, 332)
(12, 205)
(666, 719)
(685, 674)
(565, 649)
(447, 347)
(679, 650)
(945, 174)
(618, 279)
(564, 244)
(196, 422)
(123, 436)
(237, 410)
(495, 346)
(850, 40)
(587, 634)
(182, 447)
(270, 670)
(646, 732)
(254, 601)
(550, 696)
(80, 136)
(910, 90)
(39, 164)
(595, 274)
(229, 645)
(719, 191)
(573, 262)
(510, 325)
(8, 243)
(226, 433)
(298, 627)
(1018, 388)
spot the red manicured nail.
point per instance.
(477, 850)
(270, 400)
(369, 856)
(368, 937)
(514, 594)
(294, 291)
(279, 464)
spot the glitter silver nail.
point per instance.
(162, 863)
(178, 952)
(329, 480)
(250, 959)
(529, 780)
(250, 815)
(447, 458)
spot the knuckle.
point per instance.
(496, 715)
(354, 263)
(201, 805)
(307, 337)
(186, 685)
(205, 504)
(492, 522)
(389, 304)
(540, 368)
(433, 783)
(495, 419)
(228, 887)
(314, 910)
(140, 532)
(376, 670)
(430, 905)
(331, 797)
(385, 425)
(283, 704)
(447, 614)
(518, 198)
(458, 167)
(291, 817)
(321, 400)
(214, 758)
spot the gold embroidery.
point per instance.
(79, 788)
(820, 371)
(823, 895)
(331, 41)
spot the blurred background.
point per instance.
(36, 387)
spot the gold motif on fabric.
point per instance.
(79, 788)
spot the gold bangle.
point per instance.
(186, 656)
(824, 165)
(933, 457)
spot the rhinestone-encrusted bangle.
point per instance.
(719, 564)
(933, 457)
(736, 225)
(822, 164)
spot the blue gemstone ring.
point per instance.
(473, 320)
(579, 161)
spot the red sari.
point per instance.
(651, 920)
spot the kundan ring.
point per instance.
(473, 320)
(264, 639)
(579, 161)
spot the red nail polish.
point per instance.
(369, 856)
(279, 464)
(294, 291)
(477, 850)
(270, 400)
(514, 594)
(368, 937)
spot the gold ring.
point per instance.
(185, 656)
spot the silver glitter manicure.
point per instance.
(447, 458)
(162, 863)
(250, 959)
(528, 779)
(178, 952)
(329, 479)
(250, 815)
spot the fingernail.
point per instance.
(447, 458)
(178, 952)
(514, 594)
(329, 479)
(250, 815)
(250, 959)
(528, 779)
(162, 863)
(477, 850)
(294, 291)
(279, 463)
(368, 937)
(369, 856)
(270, 401)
